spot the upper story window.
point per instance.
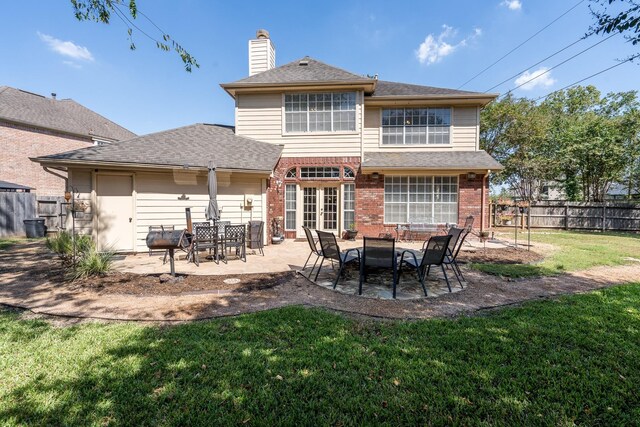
(406, 126)
(347, 172)
(320, 112)
(291, 173)
(312, 172)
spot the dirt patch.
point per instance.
(507, 255)
(135, 284)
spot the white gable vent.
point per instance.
(303, 62)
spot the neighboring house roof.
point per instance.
(435, 160)
(5, 185)
(192, 145)
(63, 115)
(303, 70)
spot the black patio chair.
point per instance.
(256, 238)
(378, 253)
(221, 225)
(451, 258)
(313, 246)
(205, 237)
(434, 254)
(331, 251)
(235, 238)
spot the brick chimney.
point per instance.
(262, 53)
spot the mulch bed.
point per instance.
(135, 284)
(509, 255)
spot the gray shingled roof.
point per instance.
(385, 88)
(443, 160)
(293, 72)
(6, 185)
(192, 145)
(64, 115)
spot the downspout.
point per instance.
(483, 199)
(66, 178)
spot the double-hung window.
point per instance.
(416, 126)
(320, 112)
(420, 199)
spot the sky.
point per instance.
(434, 43)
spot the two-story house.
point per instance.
(314, 144)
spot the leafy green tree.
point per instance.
(127, 11)
(514, 132)
(594, 139)
(621, 16)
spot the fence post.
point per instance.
(566, 215)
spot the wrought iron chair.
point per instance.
(451, 258)
(434, 254)
(331, 251)
(313, 246)
(378, 253)
(205, 237)
(256, 240)
(235, 238)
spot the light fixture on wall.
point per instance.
(375, 175)
(471, 175)
(278, 185)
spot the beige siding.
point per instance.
(259, 116)
(81, 181)
(159, 199)
(262, 56)
(464, 131)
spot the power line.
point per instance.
(631, 58)
(559, 64)
(537, 63)
(520, 45)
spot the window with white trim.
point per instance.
(290, 207)
(416, 126)
(349, 205)
(320, 112)
(420, 199)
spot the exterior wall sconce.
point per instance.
(278, 185)
(375, 175)
(471, 175)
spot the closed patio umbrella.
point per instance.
(212, 212)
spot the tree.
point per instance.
(514, 132)
(103, 10)
(625, 19)
(595, 139)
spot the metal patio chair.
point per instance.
(313, 246)
(378, 253)
(434, 254)
(205, 237)
(235, 238)
(331, 251)
(451, 258)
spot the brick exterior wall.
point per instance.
(369, 213)
(18, 143)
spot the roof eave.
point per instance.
(480, 99)
(367, 85)
(89, 135)
(374, 168)
(44, 161)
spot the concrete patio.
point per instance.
(291, 255)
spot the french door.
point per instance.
(320, 207)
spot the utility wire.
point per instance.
(537, 63)
(520, 45)
(631, 58)
(559, 64)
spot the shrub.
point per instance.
(89, 261)
(93, 263)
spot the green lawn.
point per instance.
(6, 242)
(562, 362)
(575, 251)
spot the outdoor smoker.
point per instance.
(169, 240)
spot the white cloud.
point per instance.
(512, 4)
(66, 48)
(539, 78)
(434, 48)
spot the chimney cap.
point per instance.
(262, 34)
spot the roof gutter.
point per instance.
(478, 99)
(66, 178)
(232, 88)
(90, 136)
(45, 162)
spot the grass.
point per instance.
(561, 362)
(575, 251)
(6, 243)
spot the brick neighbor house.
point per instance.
(313, 144)
(32, 125)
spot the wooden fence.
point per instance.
(605, 216)
(15, 207)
